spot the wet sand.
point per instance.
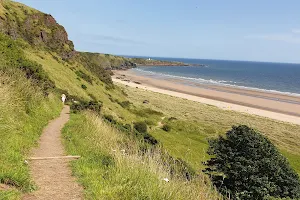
(272, 105)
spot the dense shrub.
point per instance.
(149, 138)
(140, 127)
(87, 105)
(83, 87)
(247, 165)
(166, 127)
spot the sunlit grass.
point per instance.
(112, 166)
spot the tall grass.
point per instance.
(24, 112)
(113, 167)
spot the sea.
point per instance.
(267, 76)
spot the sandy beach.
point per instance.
(272, 105)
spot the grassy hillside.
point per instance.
(39, 64)
(27, 103)
(192, 123)
(113, 167)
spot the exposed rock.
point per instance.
(39, 29)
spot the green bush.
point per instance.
(140, 127)
(247, 165)
(166, 128)
(149, 138)
(81, 105)
(83, 87)
(124, 104)
(110, 119)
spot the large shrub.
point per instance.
(141, 127)
(247, 165)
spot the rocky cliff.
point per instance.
(38, 29)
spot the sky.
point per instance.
(253, 30)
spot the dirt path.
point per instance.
(53, 177)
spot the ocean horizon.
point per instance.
(273, 77)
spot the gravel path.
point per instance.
(53, 176)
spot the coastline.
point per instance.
(266, 104)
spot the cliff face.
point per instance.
(38, 29)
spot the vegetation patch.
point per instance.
(166, 128)
(83, 87)
(84, 76)
(13, 57)
(140, 127)
(246, 165)
(112, 166)
(94, 106)
(146, 112)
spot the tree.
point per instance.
(246, 165)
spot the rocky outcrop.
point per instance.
(38, 29)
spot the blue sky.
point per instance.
(254, 30)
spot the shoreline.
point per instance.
(266, 104)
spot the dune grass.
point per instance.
(113, 167)
(196, 122)
(24, 113)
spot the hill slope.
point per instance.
(37, 66)
(41, 63)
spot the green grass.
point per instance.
(197, 122)
(24, 113)
(108, 173)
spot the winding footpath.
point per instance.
(50, 170)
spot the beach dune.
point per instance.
(272, 105)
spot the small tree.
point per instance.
(248, 166)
